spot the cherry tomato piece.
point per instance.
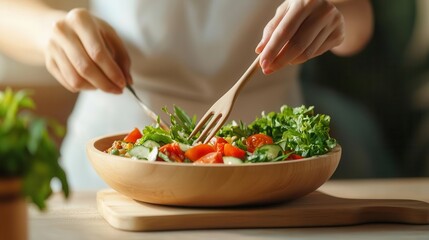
(173, 152)
(133, 136)
(195, 152)
(220, 144)
(231, 150)
(213, 157)
(257, 140)
(295, 156)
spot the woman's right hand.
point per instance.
(83, 52)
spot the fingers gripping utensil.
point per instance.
(147, 110)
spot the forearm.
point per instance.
(25, 26)
(358, 19)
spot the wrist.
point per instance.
(48, 20)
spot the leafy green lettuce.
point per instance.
(296, 129)
(180, 129)
(155, 133)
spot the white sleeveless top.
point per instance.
(183, 52)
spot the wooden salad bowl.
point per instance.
(210, 185)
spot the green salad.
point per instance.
(290, 134)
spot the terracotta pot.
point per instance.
(13, 211)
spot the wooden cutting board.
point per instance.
(314, 210)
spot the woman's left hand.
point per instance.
(299, 31)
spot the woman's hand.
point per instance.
(83, 52)
(299, 31)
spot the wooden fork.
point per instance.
(218, 113)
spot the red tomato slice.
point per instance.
(257, 140)
(196, 152)
(292, 156)
(173, 151)
(133, 136)
(219, 144)
(213, 157)
(295, 156)
(231, 150)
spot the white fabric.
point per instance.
(184, 53)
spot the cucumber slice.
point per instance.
(150, 144)
(231, 160)
(153, 155)
(272, 150)
(184, 147)
(140, 152)
(164, 157)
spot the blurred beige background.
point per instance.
(52, 99)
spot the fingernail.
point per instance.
(264, 64)
(118, 80)
(267, 71)
(257, 49)
(121, 84)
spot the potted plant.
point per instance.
(28, 161)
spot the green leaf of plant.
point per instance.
(27, 149)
